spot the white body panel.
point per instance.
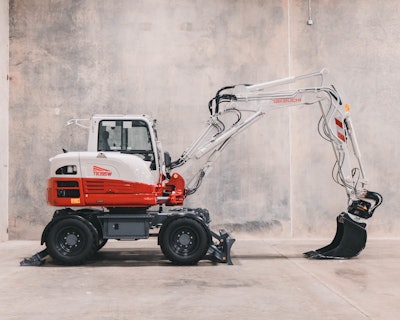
(105, 165)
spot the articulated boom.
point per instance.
(245, 104)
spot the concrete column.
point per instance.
(4, 102)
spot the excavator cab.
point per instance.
(127, 135)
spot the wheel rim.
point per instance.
(184, 241)
(70, 241)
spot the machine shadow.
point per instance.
(140, 257)
(243, 257)
(135, 257)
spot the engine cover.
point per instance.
(101, 179)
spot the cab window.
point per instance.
(127, 136)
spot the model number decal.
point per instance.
(99, 171)
(287, 100)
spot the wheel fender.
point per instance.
(68, 215)
(176, 216)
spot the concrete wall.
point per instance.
(4, 49)
(69, 59)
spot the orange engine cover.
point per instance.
(80, 192)
(100, 192)
(109, 180)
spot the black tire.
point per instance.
(72, 241)
(184, 241)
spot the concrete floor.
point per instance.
(270, 280)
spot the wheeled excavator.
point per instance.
(126, 187)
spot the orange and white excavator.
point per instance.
(126, 187)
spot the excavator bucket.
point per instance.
(349, 240)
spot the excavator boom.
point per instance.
(248, 103)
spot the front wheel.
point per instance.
(72, 241)
(184, 241)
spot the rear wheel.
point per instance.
(72, 241)
(184, 241)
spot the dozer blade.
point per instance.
(349, 240)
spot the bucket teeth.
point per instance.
(349, 240)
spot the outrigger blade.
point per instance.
(349, 240)
(36, 260)
(221, 252)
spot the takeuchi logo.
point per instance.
(287, 100)
(99, 171)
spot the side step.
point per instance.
(349, 240)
